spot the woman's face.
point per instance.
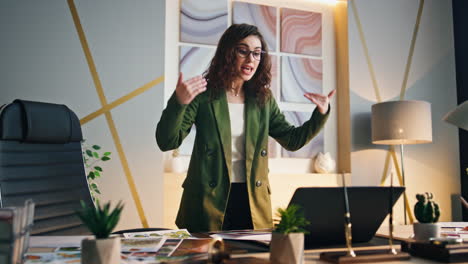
(248, 56)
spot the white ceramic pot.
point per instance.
(287, 248)
(424, 231)
(100, 251)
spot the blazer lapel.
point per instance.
(221, 113)
(252, 118)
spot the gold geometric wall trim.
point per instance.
(106, 107)
(366, 52)
(411, 51)
(391, 150)
(121, 100)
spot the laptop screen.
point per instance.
(324, 207)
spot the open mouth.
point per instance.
(246, 69)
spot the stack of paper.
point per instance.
(255, 235)
(454, 229)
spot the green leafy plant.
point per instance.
(92, 156)
(426, 210)
(292, 220)
(100, 220)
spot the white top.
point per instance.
(236, 116)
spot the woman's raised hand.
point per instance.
(187, 90)
(322, 101)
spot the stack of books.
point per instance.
(15, 224)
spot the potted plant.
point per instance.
(100, 220)
(287, 239)
(427, 213)
(92, 156)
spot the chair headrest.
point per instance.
(39, 122)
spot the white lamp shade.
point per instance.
(401, 122)
(459, 116)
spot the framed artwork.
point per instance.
(300, 76)
(202, 21)
(262, 16)
(300, 59)
(301, 32)
(194, 60)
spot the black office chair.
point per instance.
(41, 159)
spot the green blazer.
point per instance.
(207, 185)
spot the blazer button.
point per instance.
(258, 183)
(212, 184)
(263, 153)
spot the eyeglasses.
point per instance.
(244, 53)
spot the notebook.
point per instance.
(324, 207)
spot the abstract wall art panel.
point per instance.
(262, 16)
(301, 32)
(299, 76)
(194, 60)
(310, 150)
(202, 21)
(274, 76)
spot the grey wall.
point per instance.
(42, 59)
(388, 28)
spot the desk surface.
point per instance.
(41, 243)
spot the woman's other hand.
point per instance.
(187, 90)
(322, 101)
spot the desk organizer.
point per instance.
(15, 225)
(449, 253)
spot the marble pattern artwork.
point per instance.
(274, 76)
(202, 21)
(301, 32)
(194, 60)
(310, 150)
(262, 16)
(299, 76)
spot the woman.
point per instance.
(227, 181)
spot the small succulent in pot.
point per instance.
(292, 220)
(287, 240)
(426, 210)
(100, 220)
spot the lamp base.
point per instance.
(363, 256)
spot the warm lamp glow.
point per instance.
(401, 123)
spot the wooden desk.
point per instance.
(41, 243)
(312, 257)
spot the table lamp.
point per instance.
(401, 123)
(459, 116)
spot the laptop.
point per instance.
(324, 207)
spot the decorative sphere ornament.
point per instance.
(324, 163)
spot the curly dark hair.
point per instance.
(221, 73)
